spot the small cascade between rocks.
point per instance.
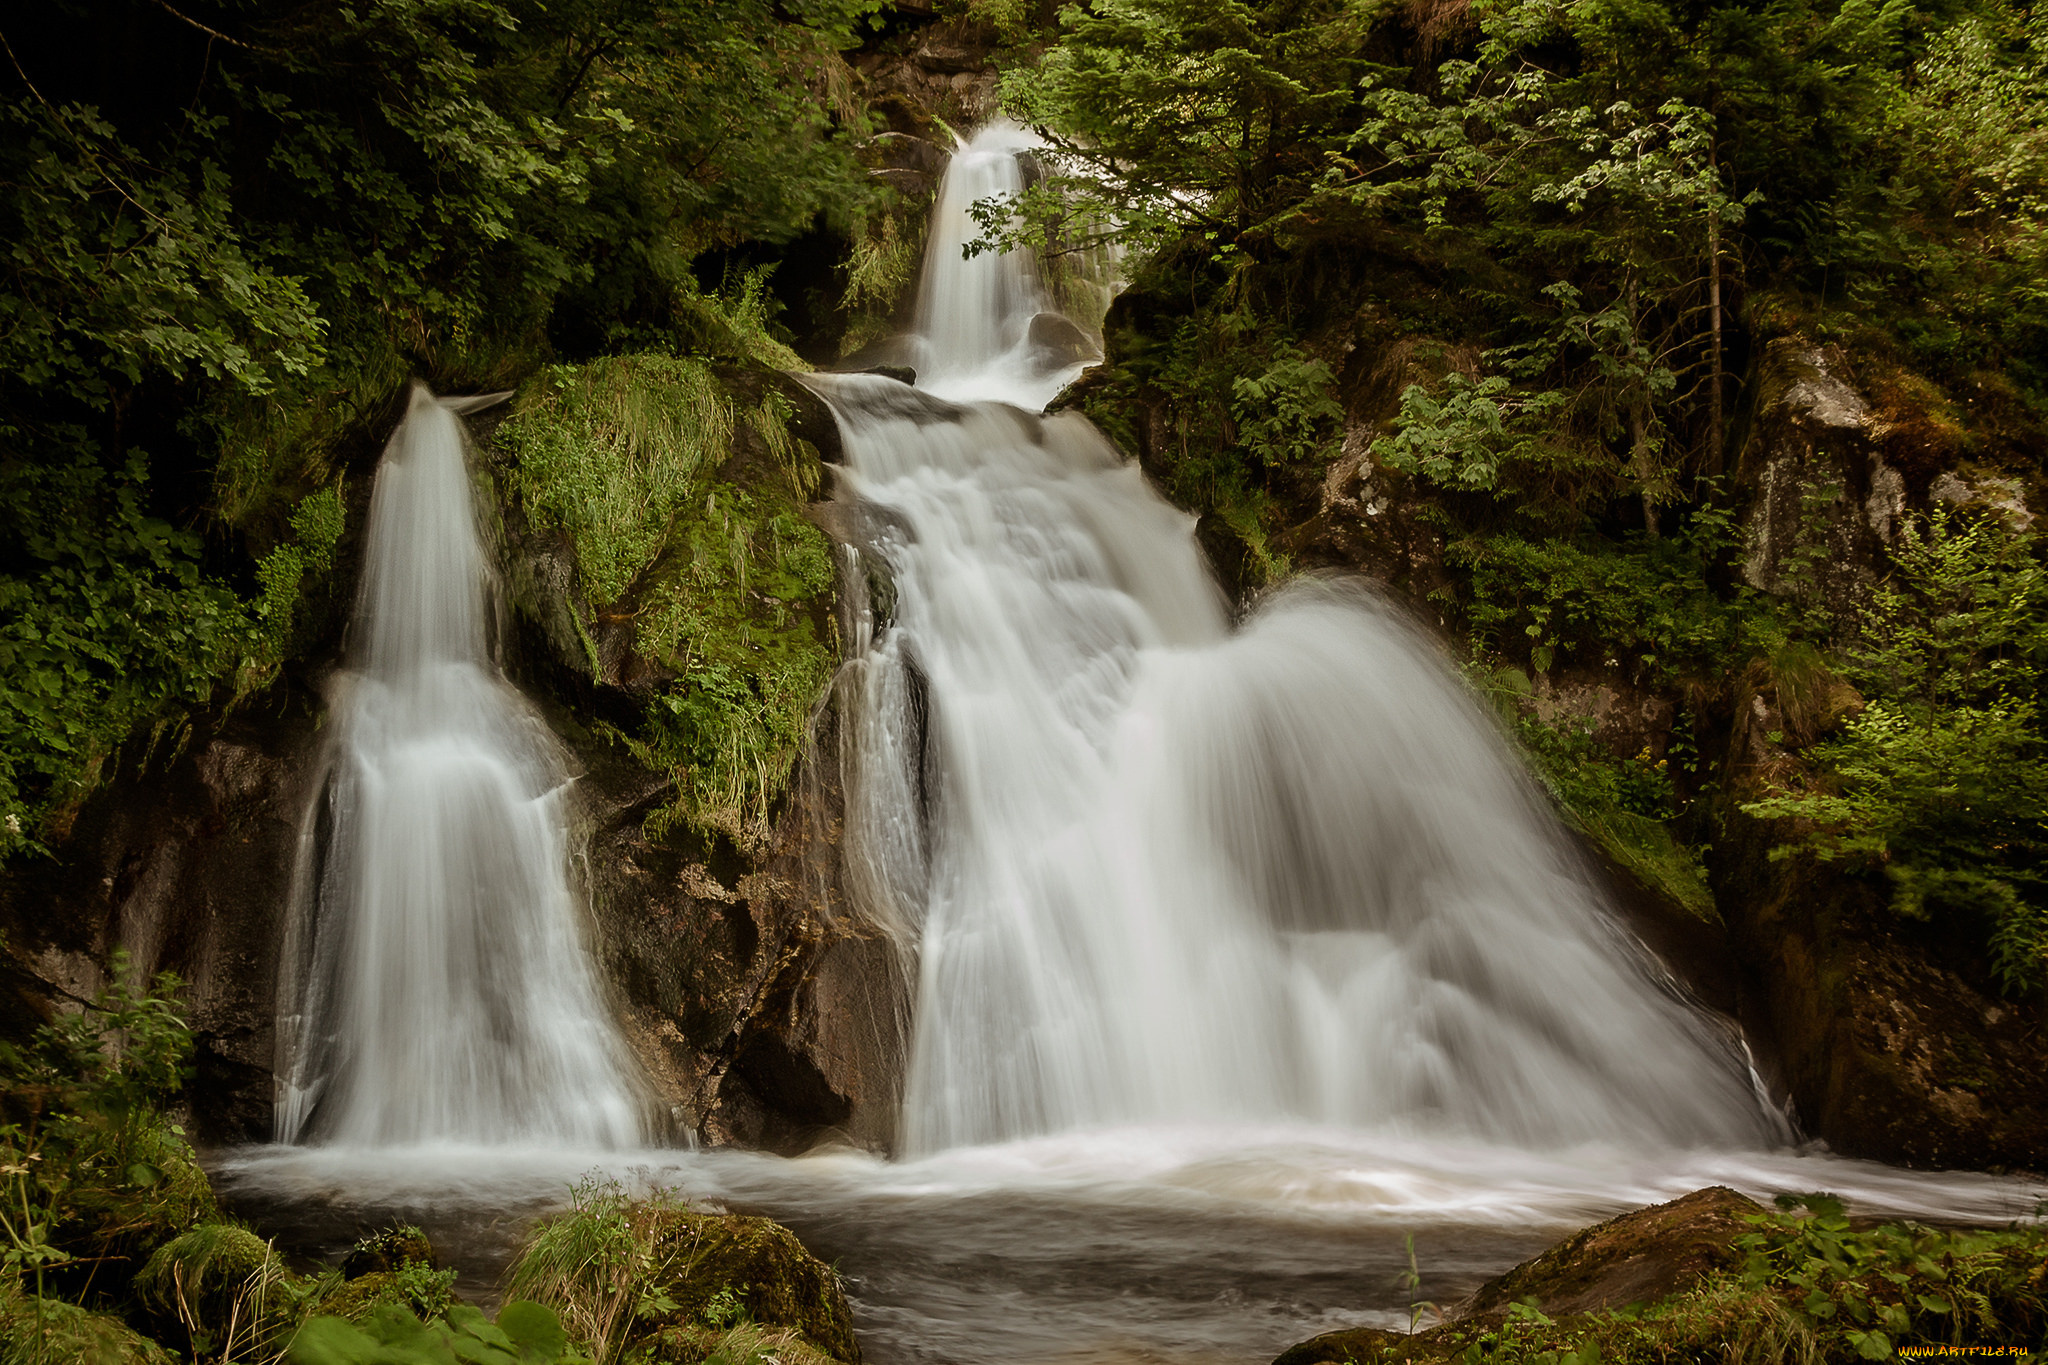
(1164, 870)
(437, 987)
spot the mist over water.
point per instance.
(1243, 950)
(437, 986)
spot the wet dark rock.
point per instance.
(185, 860)
(389, 1250)
(1890, 1046)
(1059, 341)
(902, 374)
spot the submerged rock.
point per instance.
(1639, 1257)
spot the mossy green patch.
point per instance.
(682, 505)
(45, 1331)
(649, 1279)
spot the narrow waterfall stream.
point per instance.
(1244, 952)
(437, 988)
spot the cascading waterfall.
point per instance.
(974, 313)
(1160, 870)
(438, 989)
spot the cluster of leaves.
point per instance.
(231, 236)
(1941, 778)
(107, 625)
(94, 1171)
(726, 583)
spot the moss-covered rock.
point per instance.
(741, 1345)
(196, 1277)
(51, 1332)
(391, 1249)
(641, 1274)
(758, 1267)
(1713, 1277)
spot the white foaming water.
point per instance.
(1175, 872)
(437, 986)
(974, 313)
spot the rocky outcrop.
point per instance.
(929, 74)
(1886, 1036)
(1878, 1029)
(1637, 1258)
(765, 1012)
(184, 860)
(1824, 502)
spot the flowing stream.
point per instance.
(1243, 952)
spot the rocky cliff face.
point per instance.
(1886, 1035)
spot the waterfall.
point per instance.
(1160, 869)
(437, 986)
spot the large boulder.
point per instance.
(1639, 1257)
(751, 1268)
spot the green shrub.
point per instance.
(1941, 779)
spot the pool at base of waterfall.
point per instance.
(1188, 1244)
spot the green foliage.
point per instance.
(603, 1264)
(880, 270)
(1284, 413)
(724, 580)
(1178, 117)
(1941, 779)
(1642, 602)
(608, 453)
(35, 1330)
(94, 1169)
(108, 626)
(227, 1291)
(524, 1334)
(317, 524)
